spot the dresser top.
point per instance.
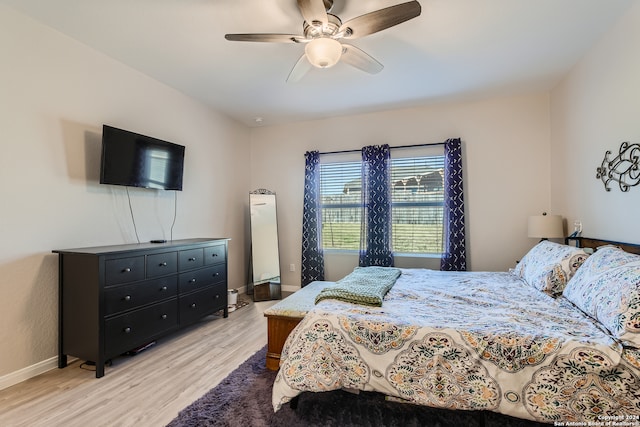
(169, 244)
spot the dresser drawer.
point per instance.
(124, 270)
(128, 297)
(188, 260)
(162, 264)
(206, 301)
(138, 327)
(198, 279)
(215, 254)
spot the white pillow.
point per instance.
(607, 288)
(548, 266)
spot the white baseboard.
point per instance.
(24, 374)
(29, 372)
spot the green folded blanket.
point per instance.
(365, 286)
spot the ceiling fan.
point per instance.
(322, 32)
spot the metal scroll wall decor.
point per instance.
(623, 169)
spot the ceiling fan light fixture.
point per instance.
(323, 52)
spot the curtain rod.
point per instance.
(391, 148)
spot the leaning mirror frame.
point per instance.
(265, 259)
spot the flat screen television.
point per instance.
(137, 160)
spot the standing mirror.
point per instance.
(265, 258)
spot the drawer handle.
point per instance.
(216, 274)
(214, 255)
(192, 280)
(127, 298)
(163, 317)
(126, 270)
(193, 305)
(192, 259)
(127, 330)
(164, 288)
(163, 264)
(217, 296)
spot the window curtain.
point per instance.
(454, 255)
(375, 236)
(312, 265)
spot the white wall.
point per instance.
(55, 94)
(506, 156)
(595, 109)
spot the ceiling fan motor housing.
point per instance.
(317, 29)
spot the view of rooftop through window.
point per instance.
(417, 204)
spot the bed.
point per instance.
(555, 340)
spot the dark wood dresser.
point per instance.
(113, 299)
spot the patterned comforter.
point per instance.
(469, 341)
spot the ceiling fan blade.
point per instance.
(257, 37)
(379, 20)
(298, 71)
(358, 58)
(313, 11)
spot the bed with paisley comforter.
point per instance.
(555, 340)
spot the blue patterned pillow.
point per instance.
(607, 288)
(548, 266)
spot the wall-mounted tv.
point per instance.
(137, 160)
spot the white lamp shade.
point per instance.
(323, 52)
(545, 226)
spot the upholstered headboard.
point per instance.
(589, 242)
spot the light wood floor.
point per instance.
(144, 390)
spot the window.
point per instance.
(417, 200)
(417, 204)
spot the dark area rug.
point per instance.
(243, 399)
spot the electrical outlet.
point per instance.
(577, 229)
(577, 226)
(292, 267)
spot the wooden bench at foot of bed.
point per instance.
(284, 316)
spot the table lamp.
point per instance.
(545, 226)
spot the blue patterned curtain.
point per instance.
(375, 236)
(312, 266)
(454, 257)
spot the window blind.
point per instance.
(417, 198)
(417, 204)
(340, 189)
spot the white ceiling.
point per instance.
(456, 49)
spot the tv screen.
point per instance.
(137, 160)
